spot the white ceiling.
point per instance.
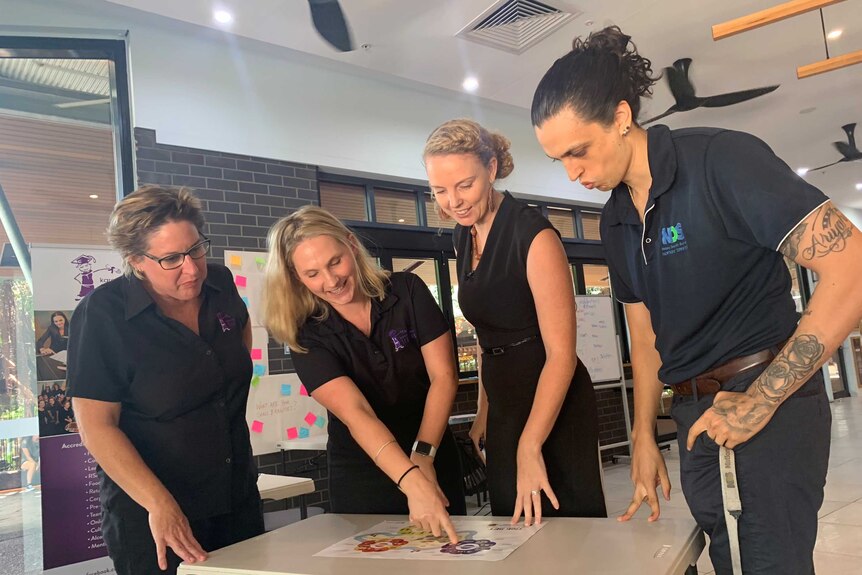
(415, 40)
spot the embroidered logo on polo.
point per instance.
(673, 240)
(227, 322)
(401, 337)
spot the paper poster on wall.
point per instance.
(71, 514)
(247, 269)
(280, 408)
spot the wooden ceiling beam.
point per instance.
(768, 16)
(829, 64)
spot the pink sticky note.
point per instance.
(310, 418)
(256, 353)
(257, 426)
(292, 433)
(240, 281)
(303, 391)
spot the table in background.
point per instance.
(564, 545)
(278, 487)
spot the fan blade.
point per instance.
(668, 112)
(678, 81)
(731, 98)
(850, 130)
(851, 153)
(828, 165)
(329, 22)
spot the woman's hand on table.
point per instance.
(427, 509)
(532, 482)
(170, 528)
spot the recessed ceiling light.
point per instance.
(859, 186)
(471, 84)
(835, 34)
(223, 16)
(94, 196)
(802, 171)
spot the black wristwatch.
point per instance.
(426, 449)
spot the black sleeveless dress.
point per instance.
(496, 298)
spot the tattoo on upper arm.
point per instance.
(828, 229)
(794, 364)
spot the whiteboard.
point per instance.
(597, 337)
(280, 408)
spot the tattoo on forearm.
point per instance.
(791, 367)
(829, 230)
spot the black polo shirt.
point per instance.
(706, 263)
(387, 366)
(183, 396)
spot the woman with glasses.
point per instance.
(159, 370)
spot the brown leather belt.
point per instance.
(710, 382)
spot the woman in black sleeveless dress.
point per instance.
(515, 288)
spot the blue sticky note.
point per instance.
(285, 389)
(303, 432)
(320, 422)
(245, 300)
(259, 369)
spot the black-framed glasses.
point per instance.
(173, 261)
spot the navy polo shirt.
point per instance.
(387, 367)
(183, 396)
(705, 262)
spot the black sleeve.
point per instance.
(319, 365)
(95, 365)
(43, 339)
(430, 323)
(758, 197)
(529, 222)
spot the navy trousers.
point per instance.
(781, 473)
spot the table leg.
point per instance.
(303, 512)
(692, 570)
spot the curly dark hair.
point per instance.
(594, 78)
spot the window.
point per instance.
(562, 219)
(465, 333)
(425, 268)
(590, 222)
(596, 279)
(432, 215)
(345, 201)
(392, 207)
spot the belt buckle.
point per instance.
(498, 351)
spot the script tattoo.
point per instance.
(829, 230)
(795, 363)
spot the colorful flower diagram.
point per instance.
(415, 540)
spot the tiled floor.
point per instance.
(839, 542)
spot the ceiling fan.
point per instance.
(848, 149)
(683, 92)
(328, 20)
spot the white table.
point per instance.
(564, 545)
(314, 443)
(464, 418)
(283, 487)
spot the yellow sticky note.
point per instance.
(236, 261)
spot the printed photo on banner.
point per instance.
(55, 409)
(52, 339)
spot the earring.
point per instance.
(626, 131)
(491, 201)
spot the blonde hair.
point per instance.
(287, 303)
(465, 136)
(137, 216)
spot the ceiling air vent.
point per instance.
(515, 25)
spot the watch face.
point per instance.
(423, 448)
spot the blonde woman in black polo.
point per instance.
(376, 351)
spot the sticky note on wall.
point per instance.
(236, 261)
(259, 369)
(320, 422)
(285, 389)
(256, 353)
(255, 381)
(302, 390)
(303, 432)
(245, 300)
(310, 418)
(292, 433)
(241, 281)
(257, 426)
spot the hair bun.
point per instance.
(610, 39)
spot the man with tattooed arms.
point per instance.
(695, 231)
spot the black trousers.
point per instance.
(130, 543)
(781, 473)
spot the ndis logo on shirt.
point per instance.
(673, 240)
